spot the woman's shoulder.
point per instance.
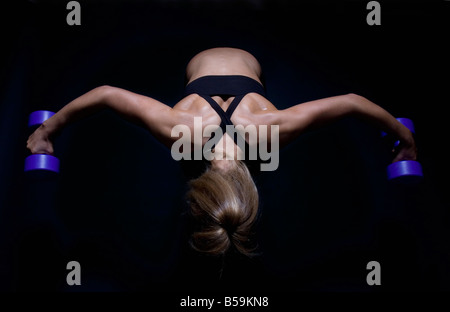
(254, 109)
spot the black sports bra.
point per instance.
(235, 85)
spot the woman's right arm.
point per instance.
(145, 111)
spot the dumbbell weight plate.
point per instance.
(407, 123)
(42, 162)
(406, 170)
(38, 117)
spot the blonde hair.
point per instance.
(225, 206)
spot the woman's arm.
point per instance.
(299, 118)
(147, 112)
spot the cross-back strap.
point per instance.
(225, 116)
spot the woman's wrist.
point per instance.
(405, 135)
(50, 127)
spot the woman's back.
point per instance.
(253, 109)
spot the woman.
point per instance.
(224, 88)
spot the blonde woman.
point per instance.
(223, 88)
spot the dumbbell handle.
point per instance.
(405, 169)
(41, 161)
(408, 123)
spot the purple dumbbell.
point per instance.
(41, 161)
(405, 170)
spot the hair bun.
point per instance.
(229, 227)
(226, 206)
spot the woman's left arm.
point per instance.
(299, 118)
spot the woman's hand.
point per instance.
(39, 142)
(406, 150)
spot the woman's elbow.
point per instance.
(353, 102)
(105, 93)
(105, 90)
(353, 97)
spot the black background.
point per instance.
(117, 206)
